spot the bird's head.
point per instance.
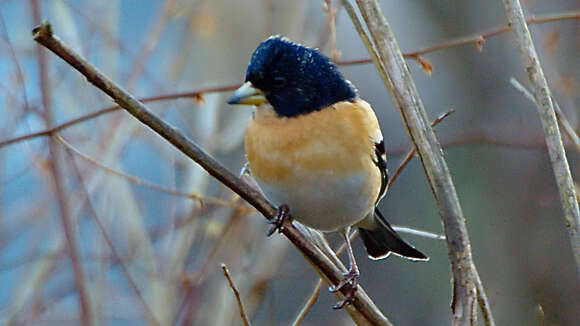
(293, 78)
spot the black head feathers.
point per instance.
(296, 79)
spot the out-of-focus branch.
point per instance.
(195, 94)
(58, 180)
(143, 55)
(412, 152)
(557, 164)
(137, 181)
(478, 39)
(116, 256)
(568, 129)
(308, 304)
(406, 98)
(549, 121)
(363, 310)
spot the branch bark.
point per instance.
(545, 106)
(363, 311)
(401, 87)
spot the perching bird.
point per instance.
(315, 147)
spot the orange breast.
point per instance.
(336, 140)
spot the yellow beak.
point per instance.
(247, 94)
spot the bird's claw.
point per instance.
(279, 222)
(351, 278)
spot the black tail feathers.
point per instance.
(383, 240)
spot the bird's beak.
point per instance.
(247, 94)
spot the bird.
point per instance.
(316, 150)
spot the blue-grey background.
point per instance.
(172, 246)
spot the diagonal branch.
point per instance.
(402, 89)
(243, 314)
(545, 106)
(363, 310)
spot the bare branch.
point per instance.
(140, 182)
(400, 85)
(196, 94)
(549, 121)
(309, 304)
(412, 152)
(568, 129)
(483, 301)
(237, 295)
(108, 241)
(58, 179)
(478, 39)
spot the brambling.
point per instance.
(315, 147)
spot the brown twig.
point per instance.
(412, 152)
(243, 315)
(316, 291)
(362, 306)
(197, 93)
(153, 38)
(143, 183)
(191, 94)
(549, 121)
(477, 39)
(57, 173)
(19, 74)
(150, 316)
(406, 98)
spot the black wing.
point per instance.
(380, 161)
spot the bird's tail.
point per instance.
(383, 240)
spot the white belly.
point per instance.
(325, 202)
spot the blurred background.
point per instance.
(149, 229)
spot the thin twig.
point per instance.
(196, 94)
(406, 98)
(237, 295)
(143, 183)
(419, 233)
(57, 174)
(14, 57)
(107, 239)
(412, 152)
(362, 307)
(142, 56)
(309, 304)
(477, 39)
(483, 301)
(225, 88)
(316, 291)
(549, 121)
(568, 129)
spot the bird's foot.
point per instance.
(351, 278)
(279, 222)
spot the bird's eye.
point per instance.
(279, 81)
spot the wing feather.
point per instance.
(380, 161)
